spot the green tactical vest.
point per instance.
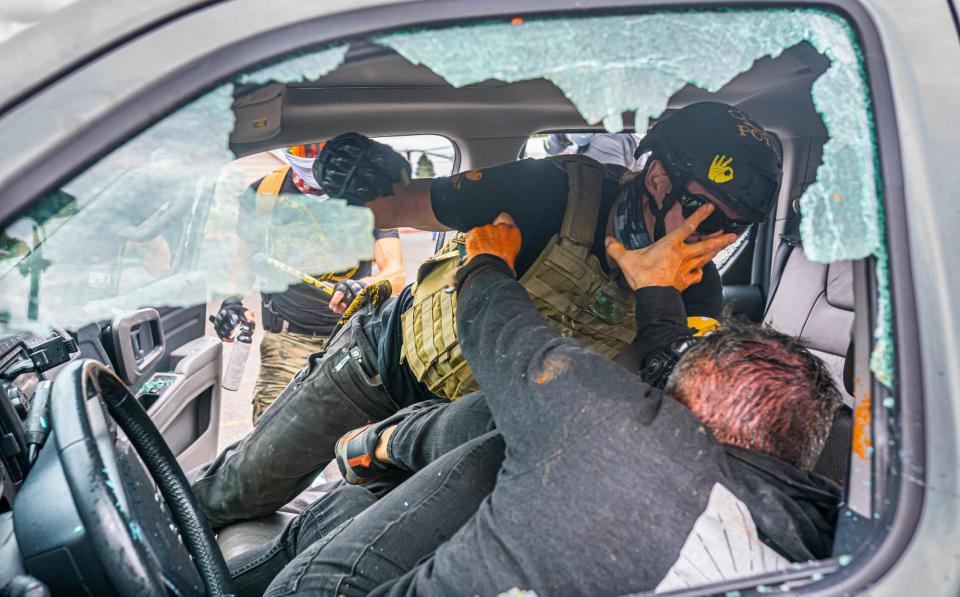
(566, 284)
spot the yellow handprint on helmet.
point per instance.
(720, 169)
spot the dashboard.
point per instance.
(68, 474)
(27, 364)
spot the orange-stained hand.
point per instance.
(502, 238)
(670, 261)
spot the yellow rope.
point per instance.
(376, 293)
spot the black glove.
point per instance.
(350, 290)
(359, 169)
(230, 315)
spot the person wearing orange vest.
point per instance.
(298, 321)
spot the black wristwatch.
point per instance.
(661, 364)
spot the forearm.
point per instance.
(408, 206)
(396, 278)
(388, 255)
(663, 332)
(661, 319)
(536, 381)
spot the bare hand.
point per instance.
(502, 239)
(345, 292)
(670, 261)
(336, 303)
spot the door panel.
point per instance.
(180, 326)
(184, 402)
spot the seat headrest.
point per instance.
(840, 285)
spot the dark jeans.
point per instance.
(428, 430)
(349, 543)
(337, 391)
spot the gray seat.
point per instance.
(241, 537)
(814, 302)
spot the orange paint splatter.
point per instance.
(862, 442)
(552, 368)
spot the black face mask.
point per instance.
(629, 226)
(715, 222)
(631, 230)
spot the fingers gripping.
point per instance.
(502, 239)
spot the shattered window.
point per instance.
(154, 216)
(158, 221)
(608, 66)
(155, 223)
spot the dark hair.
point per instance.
(758, 389)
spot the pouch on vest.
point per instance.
(429, 326)
(566, 284)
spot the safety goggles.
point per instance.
(716, 221)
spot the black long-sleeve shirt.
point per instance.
(429, 432)
(608, 486)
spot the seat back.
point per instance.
(814, 302)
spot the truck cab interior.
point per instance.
(134, 327)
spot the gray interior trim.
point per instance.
(179, 411)
(122, 328)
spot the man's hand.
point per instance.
(231, 313)
(670, 261)
(344, 293)
(502, 239)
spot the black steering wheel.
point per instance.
(87, 455)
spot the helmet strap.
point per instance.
(660, 213)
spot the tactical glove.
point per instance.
(356, 454)
(351, 289)
(231, 314)
(359, 169)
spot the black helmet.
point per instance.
(723, 149)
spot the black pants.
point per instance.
(349, 543)
(337, 391)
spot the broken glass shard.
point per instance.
(609, 65)
(308, 66)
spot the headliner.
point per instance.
(379, 93)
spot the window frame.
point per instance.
(269, 35)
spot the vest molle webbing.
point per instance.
(566, 283)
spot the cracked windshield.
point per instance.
(432, 232)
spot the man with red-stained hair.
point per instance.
(758, 389)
